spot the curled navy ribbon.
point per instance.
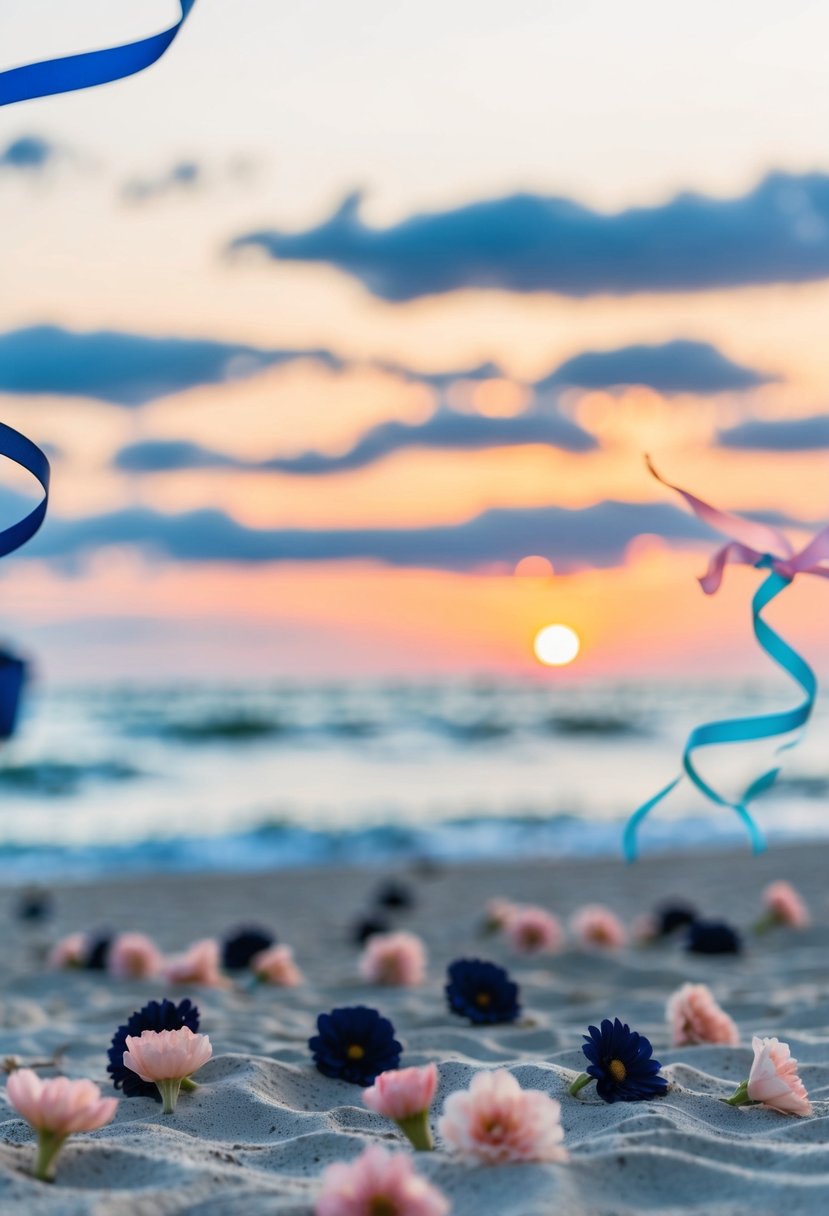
(71, 72)
(27, 454)
(44, 79)
(764, 548)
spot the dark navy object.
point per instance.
(713, 937)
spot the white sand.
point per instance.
(256, 1136)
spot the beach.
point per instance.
(257, 1134)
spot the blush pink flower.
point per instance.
(378, 1183)
(404, 1095)
(198, 965)
(166, 1058)
(785, 907)
(133, 956)
(695, 1017)
(644, 930)
(397, 959)
(495, 1121)
(532, 930)
(596, 926)
(69, 951)
(55, 1109)
(773, 1078)
(499, 913)
(276, 966)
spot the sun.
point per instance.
(556, 645)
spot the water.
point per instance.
(118, 779)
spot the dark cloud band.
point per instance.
(776, 233)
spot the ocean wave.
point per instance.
(61, 779)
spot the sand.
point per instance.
(256, 1136)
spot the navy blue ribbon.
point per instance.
(29, 456)
(51, 76)
(71, 72)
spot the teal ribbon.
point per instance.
(743, 730)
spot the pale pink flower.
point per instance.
(55, 1109)
(394, 959)
(532, 930)
(773, 1079)
(785, 906)
(495, 1120)
(595, 925)
(69, 951)
(198, 965)
(404, 1095)
(133, 956)
(644, 930)
(166, 1057)
(276, 966)
(499, 912)
(695, 1017)
(378, 1182)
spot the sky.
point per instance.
(337, 313)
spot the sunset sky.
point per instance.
(339, 311)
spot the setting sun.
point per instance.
(556, 645)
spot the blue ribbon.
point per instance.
(90, 68)
(27, 454)
(65, 75)
(743, 730)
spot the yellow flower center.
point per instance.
(356, 1052)
(483, 999)
(617, 1070)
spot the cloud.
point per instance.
(184, 177)
(29, 154)
(681, 366)
(782, 435)
(129, 369)
(446, 430)
(777, 232)
(594, 536)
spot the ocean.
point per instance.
(117, 779)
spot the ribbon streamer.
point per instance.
(29, 456)
(71, 72)
(764, 548)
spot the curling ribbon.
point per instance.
(45, 79)
(29, 456)
(765, 548)
(72, 72)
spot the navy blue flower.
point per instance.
(482, 992)
(621, 1063)
(163, 1015)
(243, 945)
(97, 951)
(395, 895)
(355, 1044)
(713, 937)
(367, 926)
(673, 916)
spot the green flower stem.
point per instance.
(416, 1129)
(766, 922)
(189, 1086)
(169, 1091)
(579, 1083)
(740, 1096)
(48, 1147)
